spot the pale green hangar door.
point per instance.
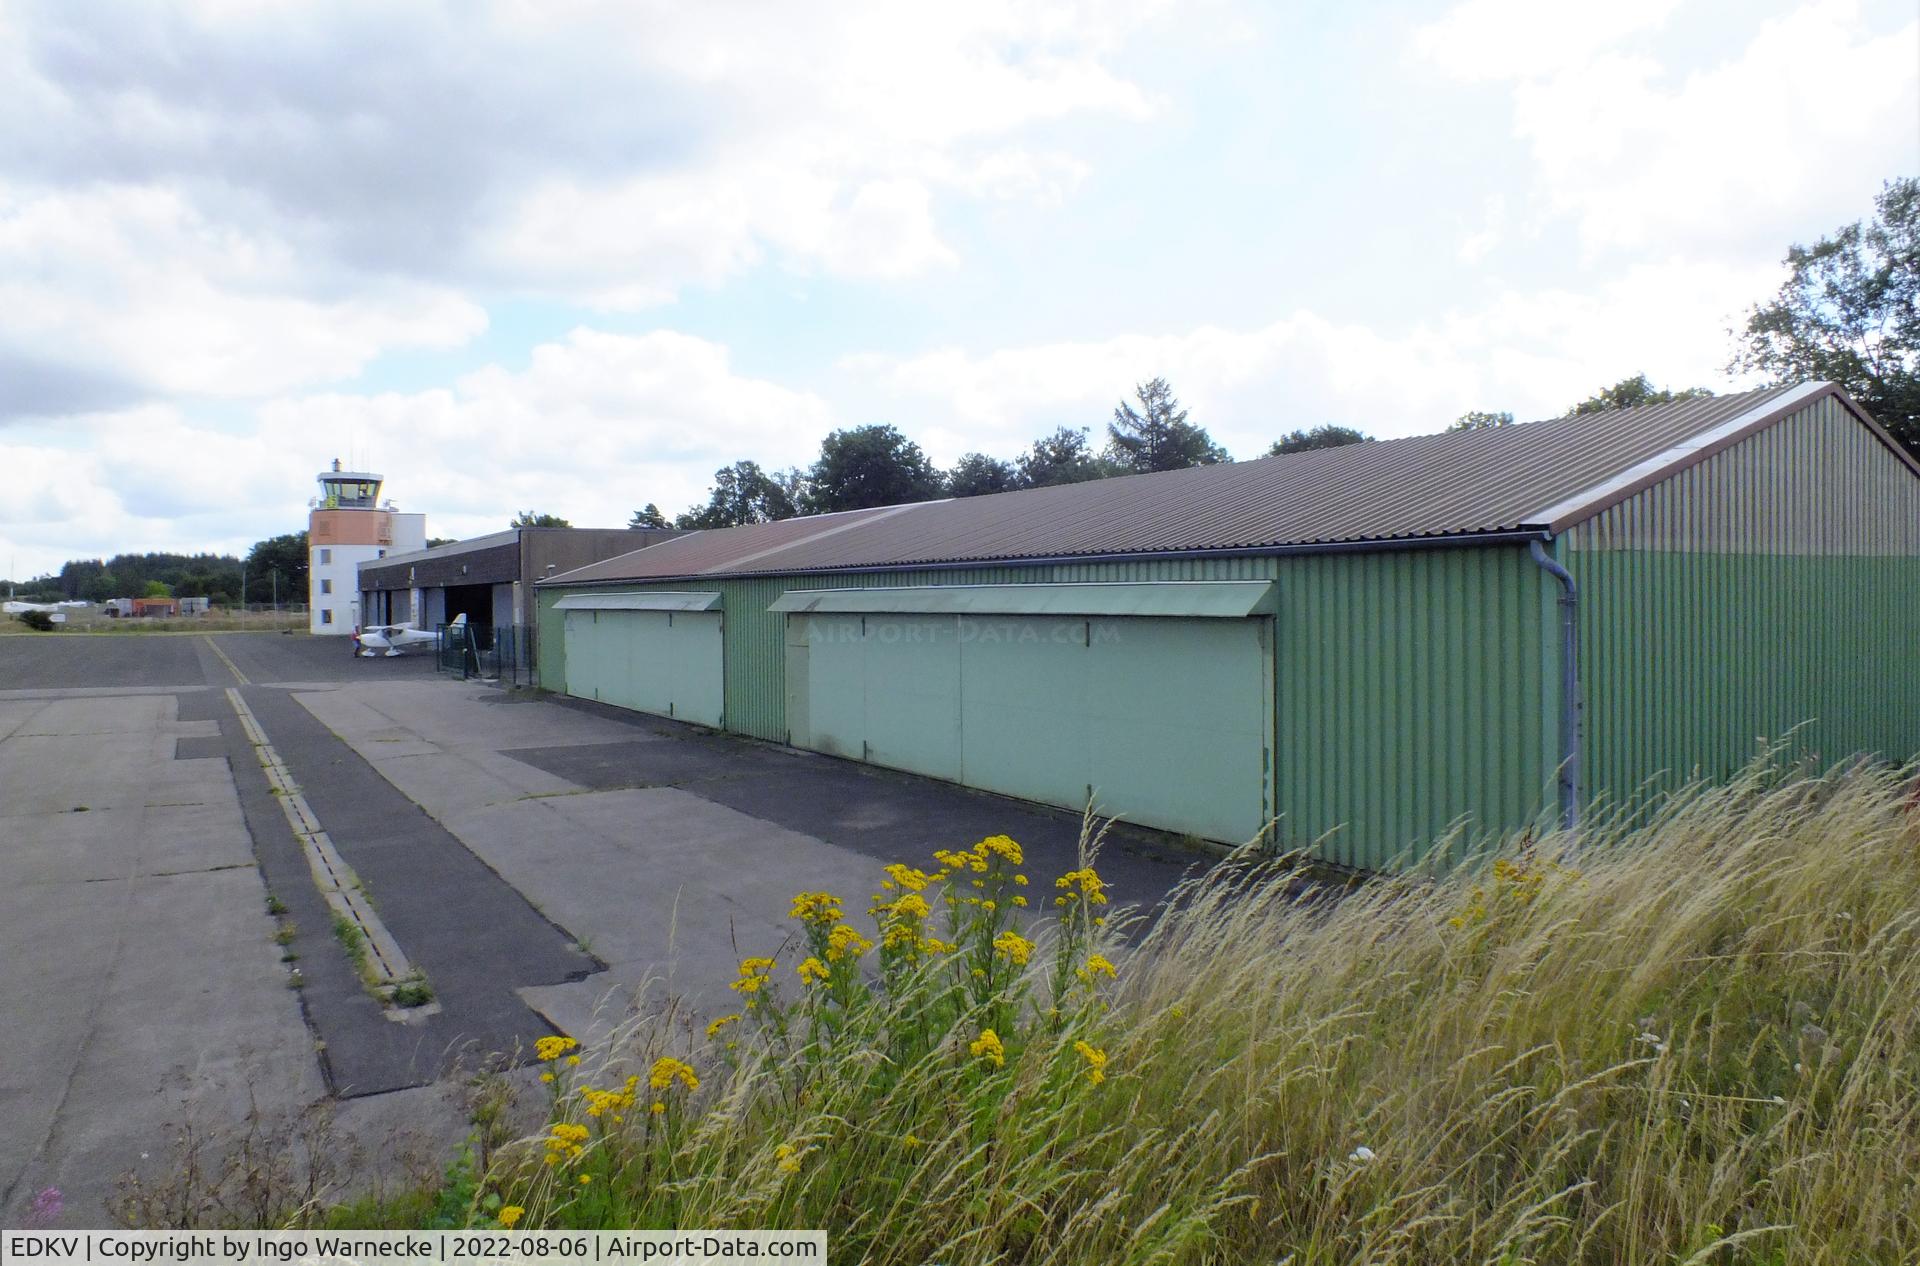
(651, 652)
(1053, 693)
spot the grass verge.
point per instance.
(1693, 1041)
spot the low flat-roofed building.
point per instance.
(489, 579)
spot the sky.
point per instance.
(572, 257)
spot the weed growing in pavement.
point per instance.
(354, 941)
(414, 991)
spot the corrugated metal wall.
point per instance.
(1773, 586)
(1412, 688)
(1415, 689)
(756, 668)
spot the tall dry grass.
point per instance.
(1694, 1041)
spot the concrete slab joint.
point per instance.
(387, 962)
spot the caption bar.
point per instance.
(397, 1248)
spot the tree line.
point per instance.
(865, 466)
(1849, 312)
(274, 569)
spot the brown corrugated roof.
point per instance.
(1460, 483)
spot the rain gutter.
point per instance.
(1569, 682)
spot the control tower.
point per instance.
(347, 525)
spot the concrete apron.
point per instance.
(668, 889)
(142, 989)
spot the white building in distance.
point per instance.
(349, 525)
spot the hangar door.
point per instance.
(1160, 719)
(652, 652)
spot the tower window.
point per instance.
(326, 615)
(326, 557)
(326, 586)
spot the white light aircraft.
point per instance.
(369, 642)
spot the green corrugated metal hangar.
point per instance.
(1349, 649)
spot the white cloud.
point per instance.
(133, 480)
(594, 427)
(1731, 158)
(300, 187)
(1512, 39)
(1478, 244)
(1534, 352)
(131, 282)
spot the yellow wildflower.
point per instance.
(511, 1214)
(656, 1107)
(600, 1102)
(909, 905)
(908, 877)
(954, 860)
(785, 1160)
(1083, 885)
(1001, 846)
(1014, 947)
(912, 1141)
(585, 1179)
(713, 1030)
(934, 945)
(546, 1076)
(552, 1048)
(844, 942)
(822, 908)
(565, 1141)
(573, 1059)
(753, 974)
(1020, 881)
(667, 1070)
(1097, 965)
(813, 972)
(1096, 1061)
(988, 1047)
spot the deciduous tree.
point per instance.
(1849, 312)
(866, 466)
(741, 493)
(1064, 457)
(1631, 393)
(976, 475)
(1327, 435)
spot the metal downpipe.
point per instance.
(1569, 685)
